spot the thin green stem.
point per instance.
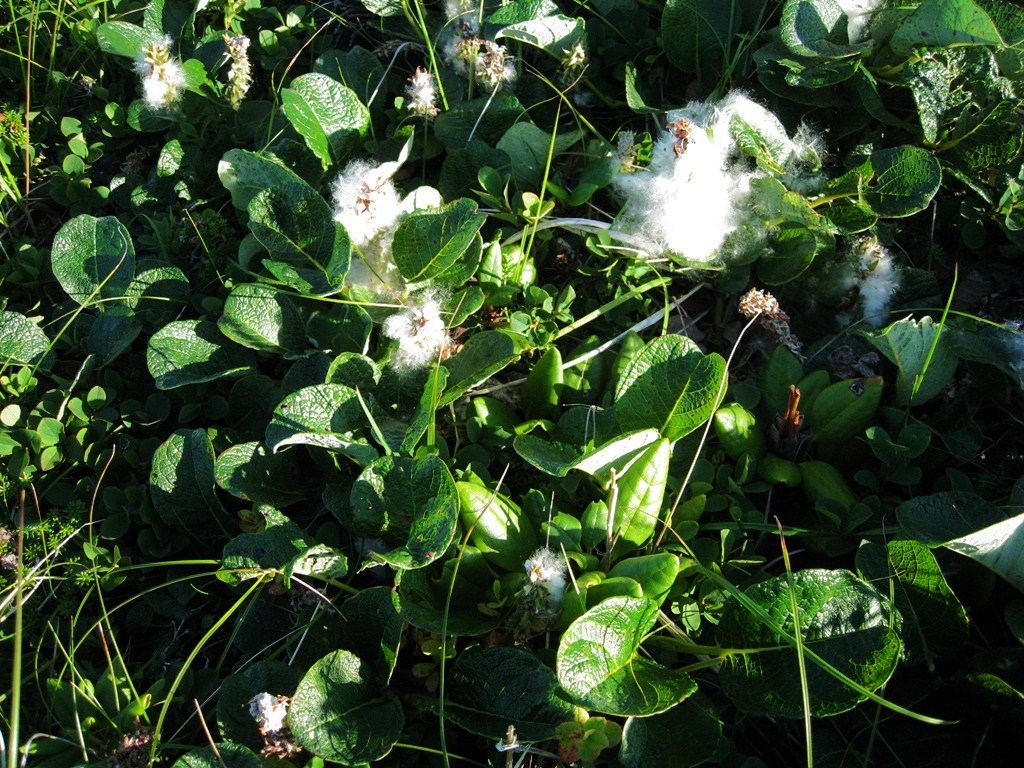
(609, 306)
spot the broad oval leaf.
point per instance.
(411, 503)
(249, 471)
(261, 318)
(940, 25)
(427, 598)
(122, 39)
(497, 526)
(192, 352)
(159, 292)
(698, 35)
(245, 174)
(671, 386)
(689, 734)
(970, 526)
(655, 573)
(93, 258)
(934, 622)
(484, 355)
(339, 713)
(554, 33)
(845, 622)
(227, 755)
(599, 666)
(640, 495)
(329, 117)
(22, 342)
(181, 484)
(845, 409)
(429, 243)
(815, 28)
(923, 354)
(309, 251)
(324, 415)
(371, 628)
(489, 688)
(111, 333)
(905, 181)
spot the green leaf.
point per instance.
(194, 351)
(784, 370)
(905, 181)
(483, 117)
(794, 248)
(530, 145)
(497, 527)
(670, 386)
(934, 621)
(328, 116)
(111, 333)
(339, 712)
(554, 459)
(426, 410)
(816, 28)
(641, 493)
(323, 415)
(371, 628)
(655, 740)
(181, 484)
(227, 755)
(489, 688)
(245, 174)
(655, 573)
(22, 342)
(944, 24)
(158, 293)
(122, 39)
(484, 355)
(985, 138)
(540, 392)
(427, 599)
(908, 343)
(970, 526)
(261, 318)
(383, 7)
(344, 328)
(429, 243)
(309, 251)
(698, 36)
(555, 33)
(558, 458)
(411, 504)
(270, 549)
(845, 622)
(93, 258)
(248, 471)
(845, 409)
(519, 11)
(599, 666)
(929, 81)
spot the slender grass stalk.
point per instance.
(610, 305)
(532, 226)
(798, 636)
(444, 623)
(13, 741)
(765, 618)
(187, 664)
(667, 524)
(919, 378)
